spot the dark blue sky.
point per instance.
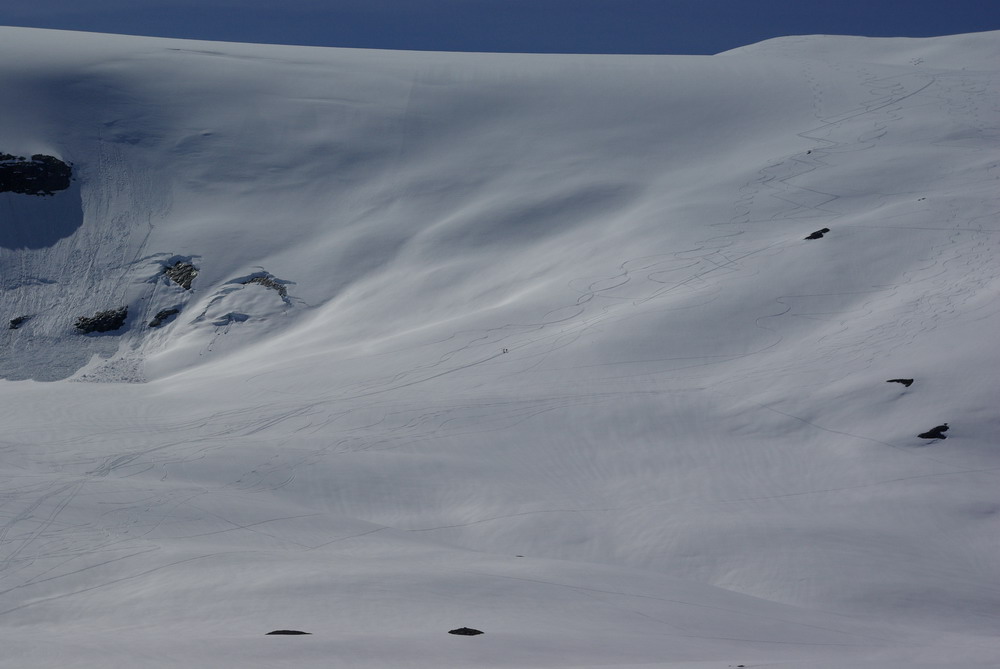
(571, 26)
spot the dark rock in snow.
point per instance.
(162, 316)
(102, 321)
(465, 631)
(286, 632)
(935, 433)
(268, 282)
(182, 273)
(818, 234)
(15, 323)
(42, 175)
(905, 382)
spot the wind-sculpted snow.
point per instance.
(587, 353)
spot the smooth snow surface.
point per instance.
(456, 309)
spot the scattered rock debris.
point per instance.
(182, 273)
(42, 175)
(161, 317)
(268, 282)
(287, 632)
(15, 323)
(466, 631)
(818, 234)
(102, 321)
(905, 382)
(935, 433)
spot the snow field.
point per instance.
(557, 307)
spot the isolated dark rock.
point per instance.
(182, 273)
(905, 382)
(935, 433)
(162, 316)
(102, 321)
(286, 632)
(42, 175)
(818, 234)
(15, 323)
(465, 631)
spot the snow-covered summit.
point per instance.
(533, 344)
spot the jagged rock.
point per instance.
(162, 316)
(465, 631)
(42, 175)
(818, 234)
(935, 433)
(905, 382)
(182, 273)
(102, 321)
(268, 282)
(286, 632)
(15, 323)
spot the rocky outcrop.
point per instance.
(818, 234)
(268, 282)
(42, 175)
(182, 273)
(905, 382)
(102, 321)
(162, 316)
(466, 631)
(15, 323)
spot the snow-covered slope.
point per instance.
(530, 344)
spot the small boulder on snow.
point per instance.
(292, 632)
(466, 631)
(818, 234)
(935, 433)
